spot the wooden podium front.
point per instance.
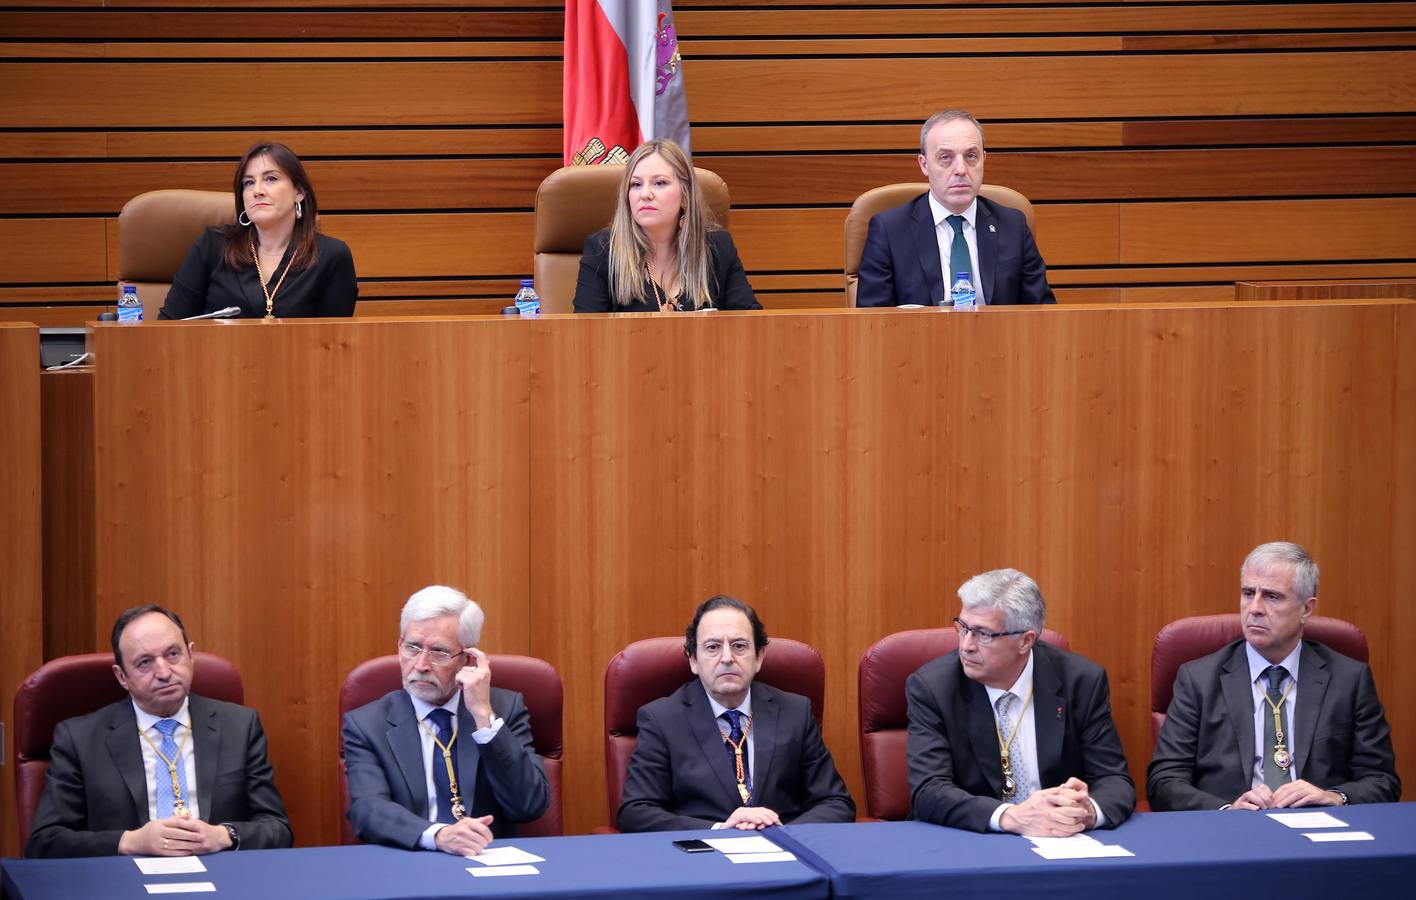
(285, 486)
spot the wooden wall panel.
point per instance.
(22, 635)
(66, 407)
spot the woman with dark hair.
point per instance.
(663, 251)
(273, 262)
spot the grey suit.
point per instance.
(96, 787)
(679, 777)
(388, 797)
(1204, 755)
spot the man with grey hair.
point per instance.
(413, 782)
(1273, 721)
(915, 252)
(1009, 734)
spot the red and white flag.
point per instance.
(623, 79)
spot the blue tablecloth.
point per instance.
(642, 866)
(1204, 855)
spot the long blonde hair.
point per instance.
(629, 245)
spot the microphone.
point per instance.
(229, 312)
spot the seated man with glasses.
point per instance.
(446, 763)
(1009, 734)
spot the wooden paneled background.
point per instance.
(1171, 149)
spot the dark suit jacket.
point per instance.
(900, 263)
(388, 795)
(956, 774)
(1204, 755)
(205, 283)
(96, 788)
(727, 283)
(679, 773)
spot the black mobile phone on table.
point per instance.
(694, 846)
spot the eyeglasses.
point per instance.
(984, 638)
(411, 651)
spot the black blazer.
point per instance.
(96, 787)
(1204, 755)
(678, 776)
(205, 283)
(727, 283)
(388, 796)
(956, 774)
(900, 262)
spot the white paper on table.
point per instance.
(502, 855)
(779, 856)
(1323, 837)
(1070, 839)
(754, 844)
(1307, 820)
(182, 887)
(503, 870)
(171, 865)
(1069, 849)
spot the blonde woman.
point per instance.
(663, 252)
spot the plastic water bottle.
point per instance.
(130, 307)
(527, 301)
(962, 293)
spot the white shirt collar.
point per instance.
(1019, 688)
(147, 719)
(941, 212)
(718, 709)
(1257, 663)
(421, 707)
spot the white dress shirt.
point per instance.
(187, 756)
(1258, 686)
(432, 756)
(746, 709)
(944, 233)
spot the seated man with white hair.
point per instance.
(445, 763)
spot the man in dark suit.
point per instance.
(446, 763)
(164, 773)
(1273, 721)
(915, 252)
(722, 752)
(1009, 734)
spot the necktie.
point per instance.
(735, 737)
(163, 781)
(958, 254)
(1019, 765)
(442, 721)
(1275, 776)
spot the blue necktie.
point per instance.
(734, 718)
(442, 720)
(163, 781)
(959, 262)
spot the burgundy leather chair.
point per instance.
(884, 716)
(535, 679)
(1197, 636)
(656, 667)
(73, 686)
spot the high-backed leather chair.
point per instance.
(535, 679)
(155, 232)
(877, 200)
(575, 202)
(884, 716)
(74, 686)
(1197, 636)
(656, 667)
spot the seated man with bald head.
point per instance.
(446, 762)
(1273, 720)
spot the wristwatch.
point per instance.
(1340, 795)
(235, 837)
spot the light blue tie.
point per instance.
(164, 777)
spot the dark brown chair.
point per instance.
(535, 679)
(74, 686)
(1197, 636)
(877, 200)
(574, 203)
(155, 232)
(656, 667)
(884, 716)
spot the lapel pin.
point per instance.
(993, 229)
(1059, 713)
